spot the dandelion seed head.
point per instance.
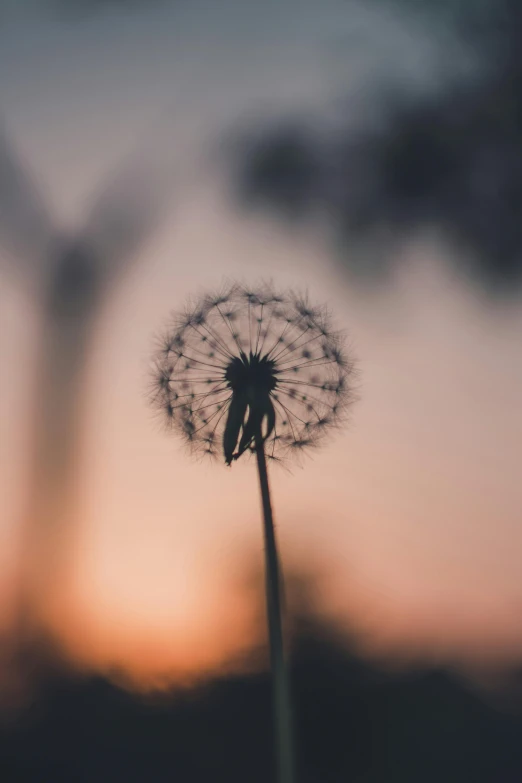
(252, 353)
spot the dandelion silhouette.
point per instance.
(255, 371)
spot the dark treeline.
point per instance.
(355, 723)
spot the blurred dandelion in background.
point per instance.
(256, 371)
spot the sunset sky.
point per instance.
(410, 516)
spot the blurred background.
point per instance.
(369, 152)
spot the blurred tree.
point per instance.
(72, 276)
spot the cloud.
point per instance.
(448, 160)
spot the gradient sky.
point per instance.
(412, 514)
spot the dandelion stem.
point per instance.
(282, 712)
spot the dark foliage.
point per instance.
(354, 723)
(450, 161)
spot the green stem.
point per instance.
(282, 712)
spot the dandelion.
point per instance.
(257, 372)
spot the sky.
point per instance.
(409, 517)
